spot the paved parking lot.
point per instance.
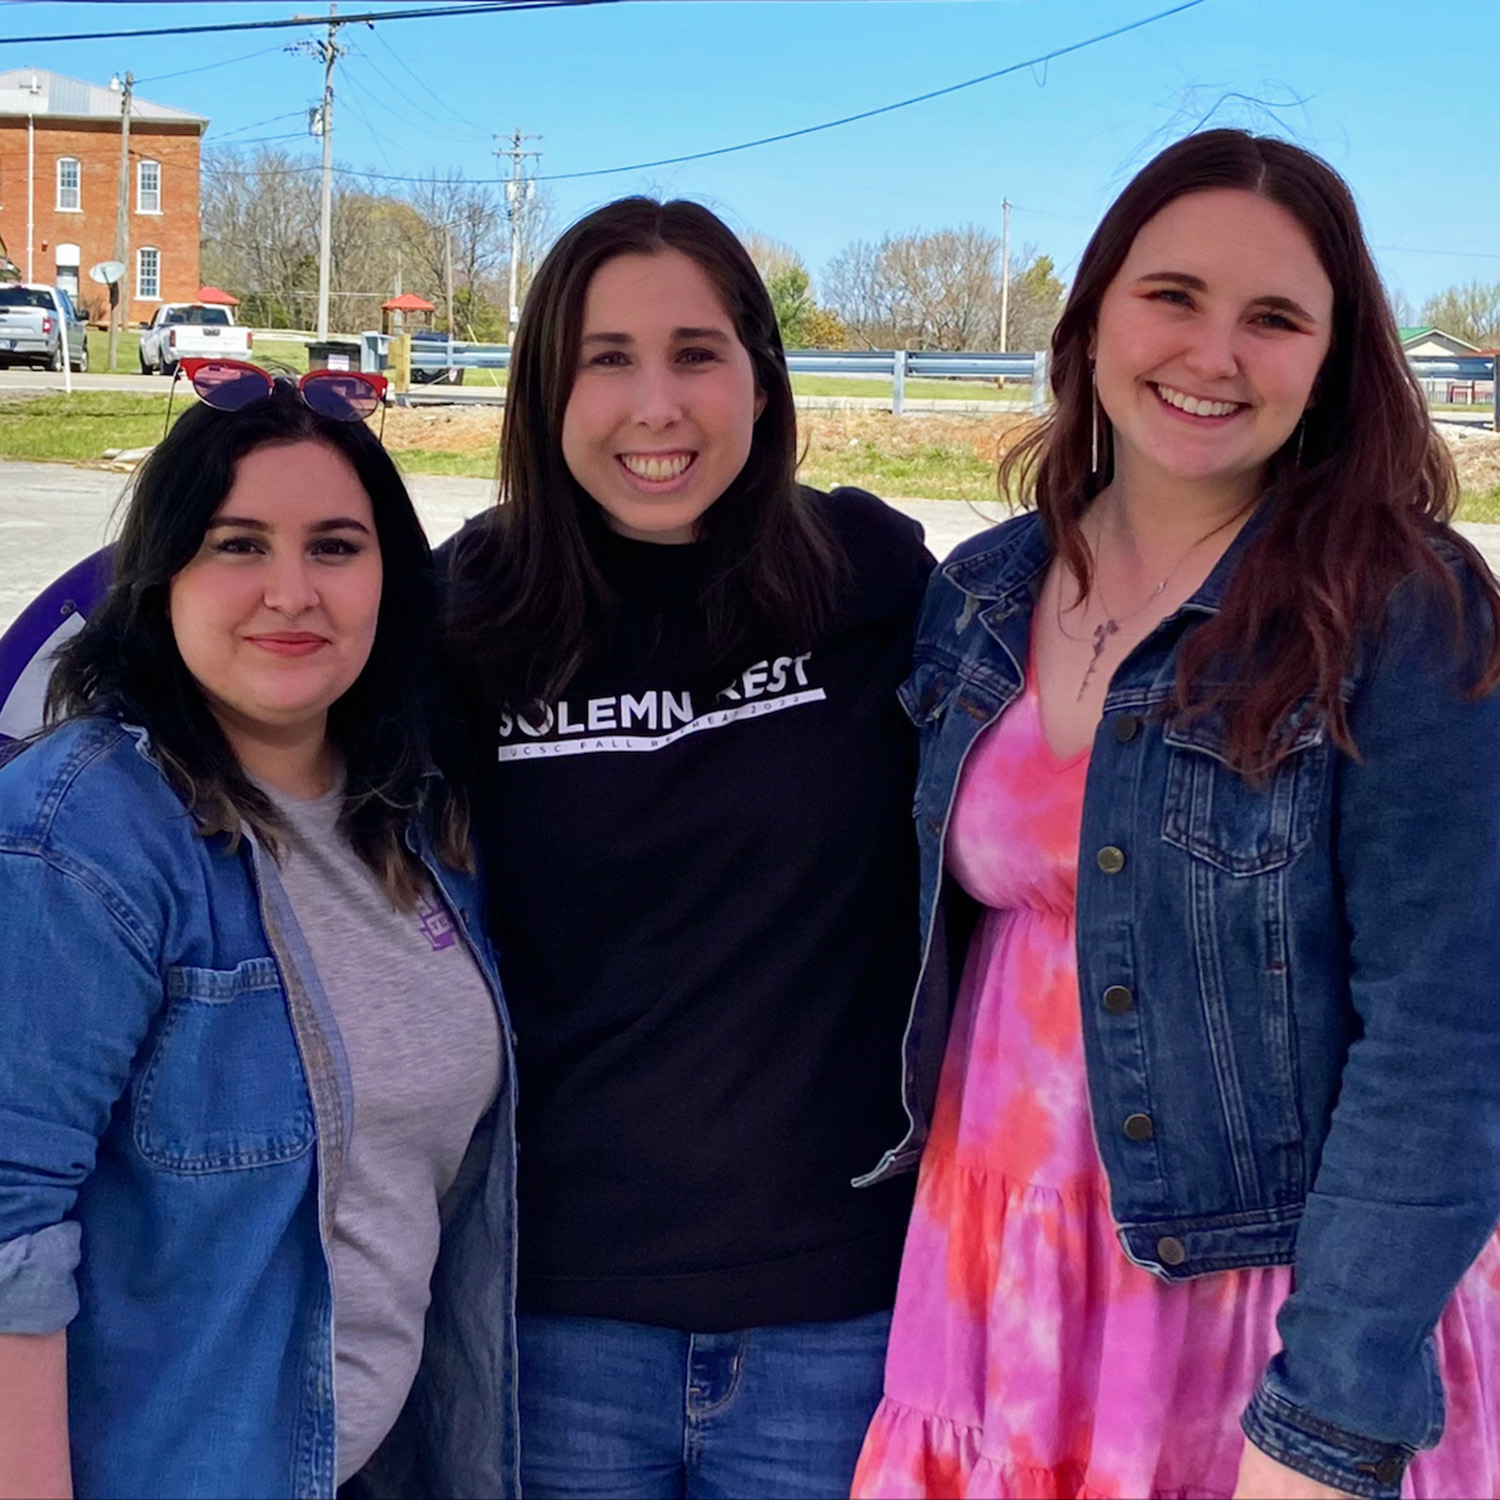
(51, 515)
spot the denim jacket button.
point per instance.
(1170, 1251)
(1125, 727)
(1118, 999)
(1139, 1127)
(1110, 859)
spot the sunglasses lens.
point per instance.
(346, 397)
(228, 387)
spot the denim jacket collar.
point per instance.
(1007, 573)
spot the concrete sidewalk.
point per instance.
(52, 515)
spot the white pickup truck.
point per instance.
(190, 330)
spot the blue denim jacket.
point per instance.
(1290, 1007)
(174, 1108)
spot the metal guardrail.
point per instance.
(1434, 367)
(896, 365)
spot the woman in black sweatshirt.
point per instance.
(695, 794)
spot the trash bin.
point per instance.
(450, 375)
(336, 354)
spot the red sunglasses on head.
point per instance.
(230, 384)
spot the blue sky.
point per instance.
(1398, 94)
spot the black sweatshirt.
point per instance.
(704, 898)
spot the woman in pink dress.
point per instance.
(1211, 777)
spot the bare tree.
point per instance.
(1470, 312)
(470, 217)
(1401, 308)
(940, 290)
(260, 232)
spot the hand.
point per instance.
(1262, 1478)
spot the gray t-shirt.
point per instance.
(420, 1031)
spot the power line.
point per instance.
(424, 86)
(291, 114)
(790, 135)
(485, 7)
(207, 67)
(884, 109)
(421, 111)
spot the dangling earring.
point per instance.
(1093, 421)
(1301, 438)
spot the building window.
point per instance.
(148, 273)
(148, 187)
(69, 198)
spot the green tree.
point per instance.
(824, 329)
(791, 296)
(1036, 301)
(804, 324)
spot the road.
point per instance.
(51, 515)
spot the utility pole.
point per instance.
(320, 123)
(120, 294)
(518, 189)
(1005, 279)
(448, 279)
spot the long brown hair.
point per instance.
(1356, 495)
(527, 592)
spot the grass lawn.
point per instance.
(1480, 505)
(78, 428)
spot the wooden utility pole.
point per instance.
(325, 216)
(517, 191)
(120, 294)
(320, 123)
(1005, 278)
(448, 278)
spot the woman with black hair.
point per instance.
(696, 789)
(255, 1053)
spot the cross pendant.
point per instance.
(1102, 633)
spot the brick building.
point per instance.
(59, 189)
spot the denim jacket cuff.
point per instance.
(37, 1291)
(1329, 1454)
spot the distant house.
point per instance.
(59, 189)
(1433, 343)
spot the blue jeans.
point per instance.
(631, 1412)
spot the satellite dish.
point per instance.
(107, 272)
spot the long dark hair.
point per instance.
(1356, 495)
(125, 661)
(527, 592)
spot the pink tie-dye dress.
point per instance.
(1028, 1357)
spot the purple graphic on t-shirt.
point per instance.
(437, 925)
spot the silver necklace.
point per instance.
(1110, 624)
